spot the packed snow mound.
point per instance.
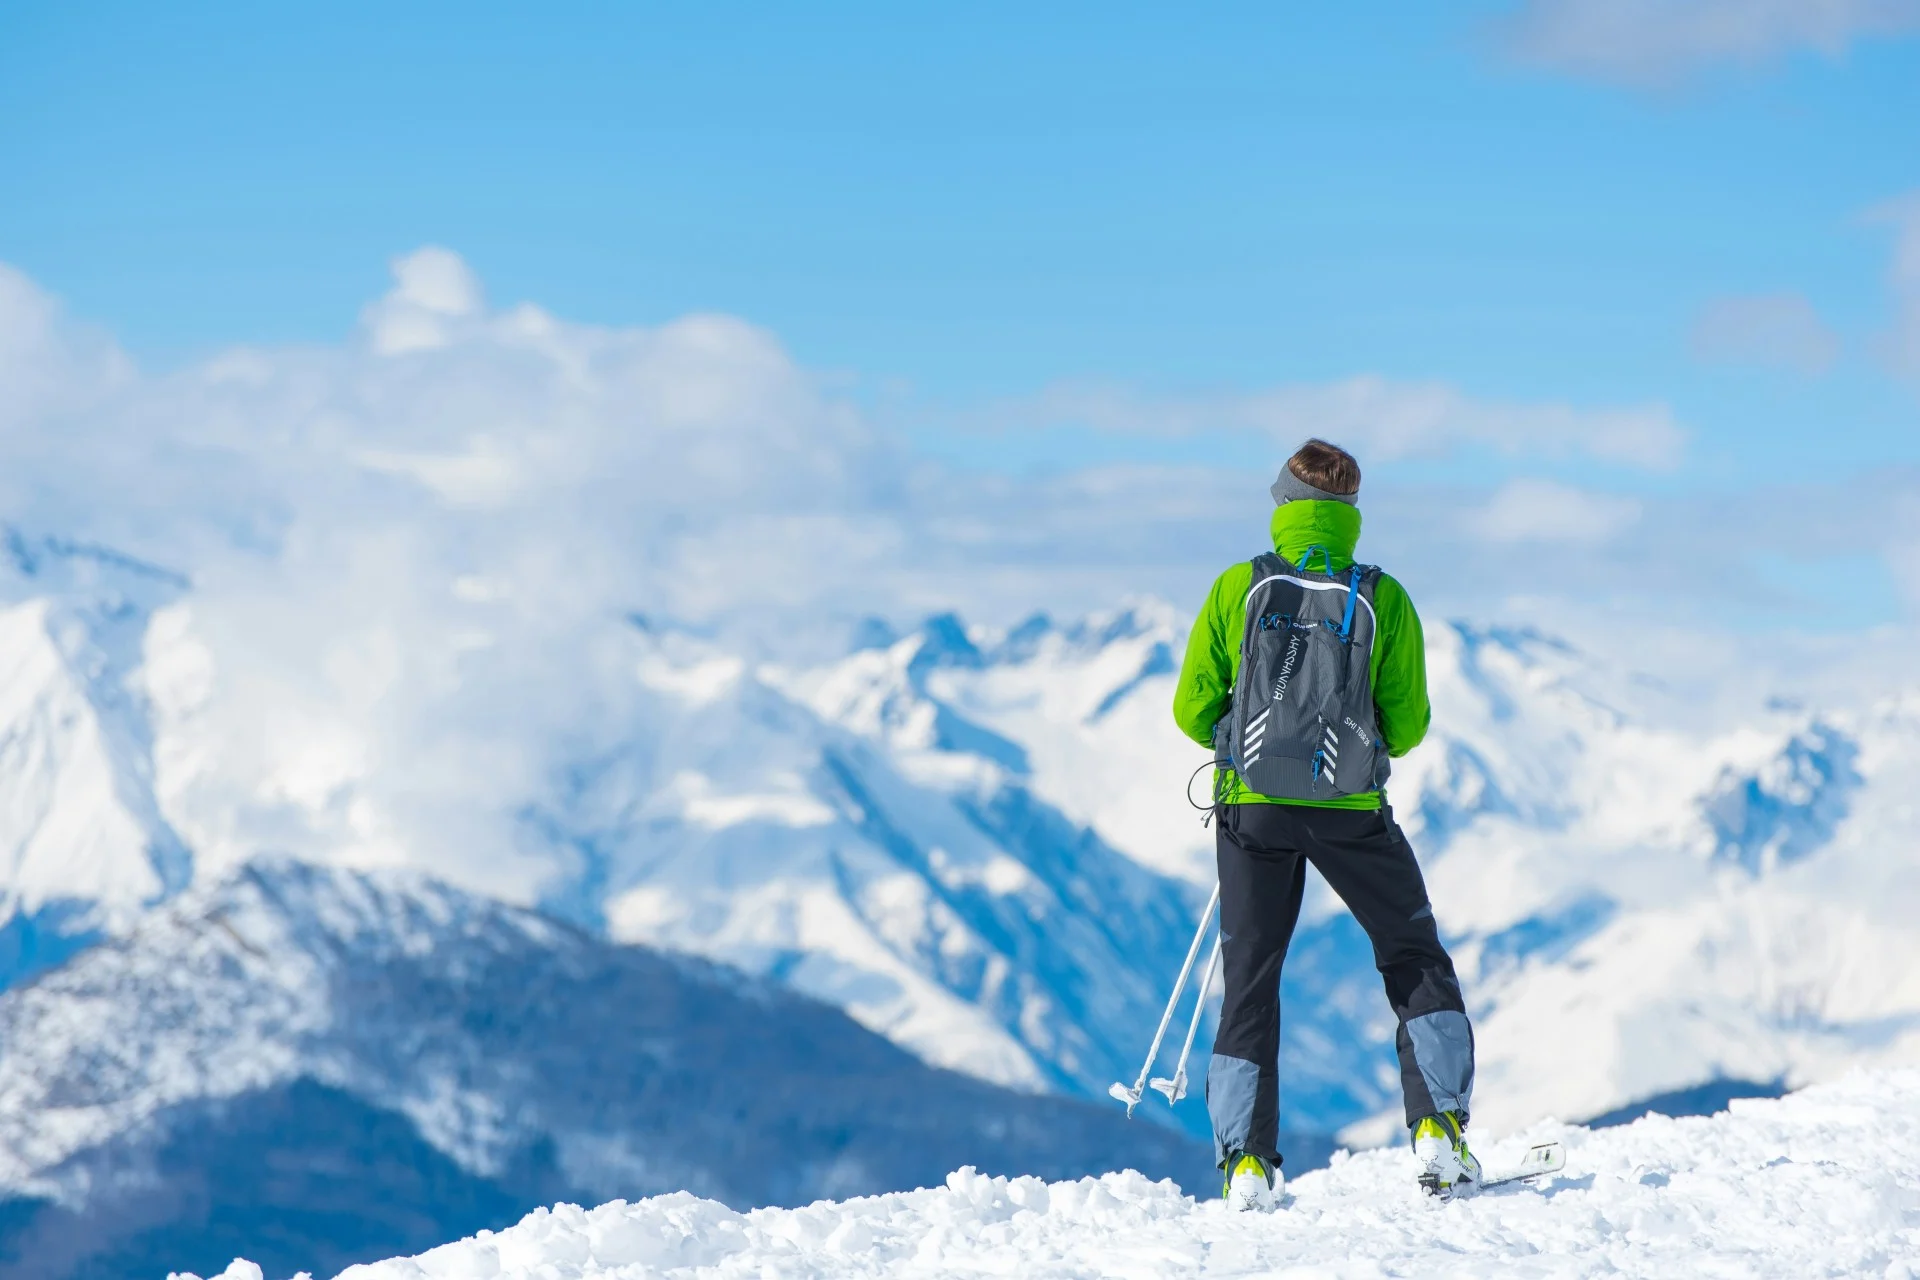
(1825, 1182)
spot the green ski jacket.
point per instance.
(1398, 666)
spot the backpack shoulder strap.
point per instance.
(1266, 567)
(1362, 579)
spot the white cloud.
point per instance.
(414, 554)
(50, 366)
(1655, 42)
(1774, 330)
(433, 290)
(413, 563)
(1377, 418)
(437, 280)
(1529, 510)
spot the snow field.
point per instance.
(1825, 1182)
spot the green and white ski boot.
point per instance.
(1448, 1168)
(1252, 1184)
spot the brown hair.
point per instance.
(1325, 466)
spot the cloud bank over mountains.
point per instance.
(459, 481)
(453, 465)
(416, 556)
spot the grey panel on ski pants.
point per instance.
(1263, 851)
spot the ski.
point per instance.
(1542, 1158)
(1546, 1157)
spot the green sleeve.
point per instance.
(1399, 669)
(1213, 657)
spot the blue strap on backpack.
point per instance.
(1353, 584)
(1326, 558)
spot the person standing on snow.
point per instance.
(1305, 682)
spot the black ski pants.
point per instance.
(1263, 852)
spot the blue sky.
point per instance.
(953, 211)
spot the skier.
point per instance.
(1304, 682)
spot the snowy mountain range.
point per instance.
(318, 1066)
(974, 841)
(970, 923)
(887, 855)
(1645, 893)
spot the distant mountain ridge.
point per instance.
(974, 842)
(978, 928)
(321, 1065)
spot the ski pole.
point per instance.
(1176, 1088)
(1132, 1096)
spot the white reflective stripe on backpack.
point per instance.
(1311, 586)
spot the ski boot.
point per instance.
(1441, 1144)
(1252, 1184)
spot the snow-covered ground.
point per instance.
(1825, 1182)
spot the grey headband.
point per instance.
(1291, 488)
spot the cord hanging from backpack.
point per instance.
(1220, 788)
(1223, 767)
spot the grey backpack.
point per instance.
(1302, 725)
